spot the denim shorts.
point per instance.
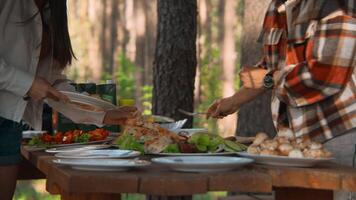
(10, 142)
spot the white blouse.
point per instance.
(20, 46)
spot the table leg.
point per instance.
(302, 193)
(89, 196)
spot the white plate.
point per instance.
(190, 131)
(194, 154)
(30, 134)
(99, 154)
(77, 148)
(77, 114)
(284, 160)
(202, 163)
(102, 164)
(83, 143)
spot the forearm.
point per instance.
(245, 95)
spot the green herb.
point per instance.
(172, 148)
(35, 141)
(129, 142)
(206, 142)
(231, 146)
(82, 138)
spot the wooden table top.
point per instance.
(158, 180)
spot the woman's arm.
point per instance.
(226, 106)
(331, 60)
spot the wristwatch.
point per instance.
(268, 81)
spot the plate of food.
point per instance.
(101, 153)
(202, 163)
(102, 164)
(150, 138)
(82, 108)
(286, 151)
(70, 138)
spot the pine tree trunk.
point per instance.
(227, 126)
(175, 58)
(95, 57)
(150, 39)
(256, 115)
(140, 30)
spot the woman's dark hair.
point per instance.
(62, 47)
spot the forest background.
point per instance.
(116, 40)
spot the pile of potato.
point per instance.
(287, 145)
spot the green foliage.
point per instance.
(146, 99)
(26, 190)
(126, 77)
(210, 86)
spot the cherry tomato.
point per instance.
(68, 137)
(58, 137)
(46, 138)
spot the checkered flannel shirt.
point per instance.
(314, 44)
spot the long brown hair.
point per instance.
(62, 47)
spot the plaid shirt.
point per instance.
(313, 44)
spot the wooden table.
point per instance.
(287, 182)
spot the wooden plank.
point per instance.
(173, 184)
(160, 181)
(154, 197)
(315, 178)
(101, 196)
(302, 194)
(349, 180)
(75, 181)
(241, 180)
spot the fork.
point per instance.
(191, 113)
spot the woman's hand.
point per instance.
(120, 115)
(226, 106)
(42, 89)
(252, 77)
(223, 107)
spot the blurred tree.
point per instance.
(228, 60)
(175, 58)
(256, 115)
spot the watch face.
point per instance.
(268, 81)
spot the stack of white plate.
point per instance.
(100, 160)
(102, 164)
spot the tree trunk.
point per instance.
(256, 115)
(150, 39)
(175, 58)
(130, 29)
(140, 29)
(227, 126)
(112, 46)
(95, 58)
